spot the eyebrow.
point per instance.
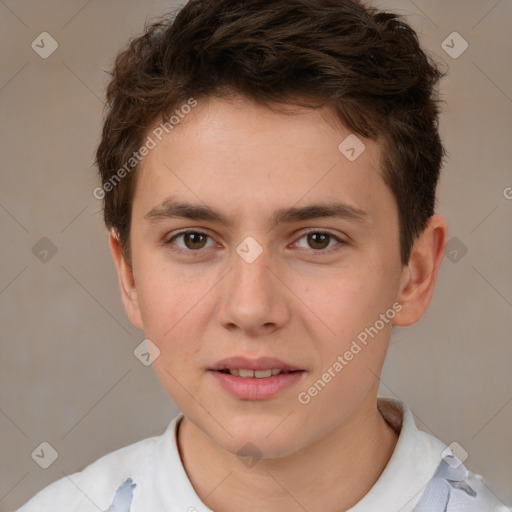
(170, 209)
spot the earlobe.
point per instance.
(420, 275)
(126, 281)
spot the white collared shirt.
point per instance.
(422, 475)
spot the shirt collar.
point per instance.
(412, 465)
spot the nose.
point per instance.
(254, 299)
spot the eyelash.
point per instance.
(173, 248)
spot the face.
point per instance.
(254, 237)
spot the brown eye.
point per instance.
(319, 240)
(192, 240)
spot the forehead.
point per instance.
(245, 158)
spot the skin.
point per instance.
(301, 300)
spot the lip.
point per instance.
(261, 363)
(255, 388)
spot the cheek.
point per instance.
(349, 303)
(166, 297)
(169, 312)
(352, 359)
(352, 307)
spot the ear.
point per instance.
(126, 282)
(420, 275)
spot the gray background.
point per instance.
(68, 373)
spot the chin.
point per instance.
(257, 448)
(259, 438)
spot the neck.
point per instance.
(331, 474)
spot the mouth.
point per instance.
(258, 374)
(255, 379)
(260, 368)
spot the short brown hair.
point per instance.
(364, 63)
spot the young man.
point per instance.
(269, 173)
